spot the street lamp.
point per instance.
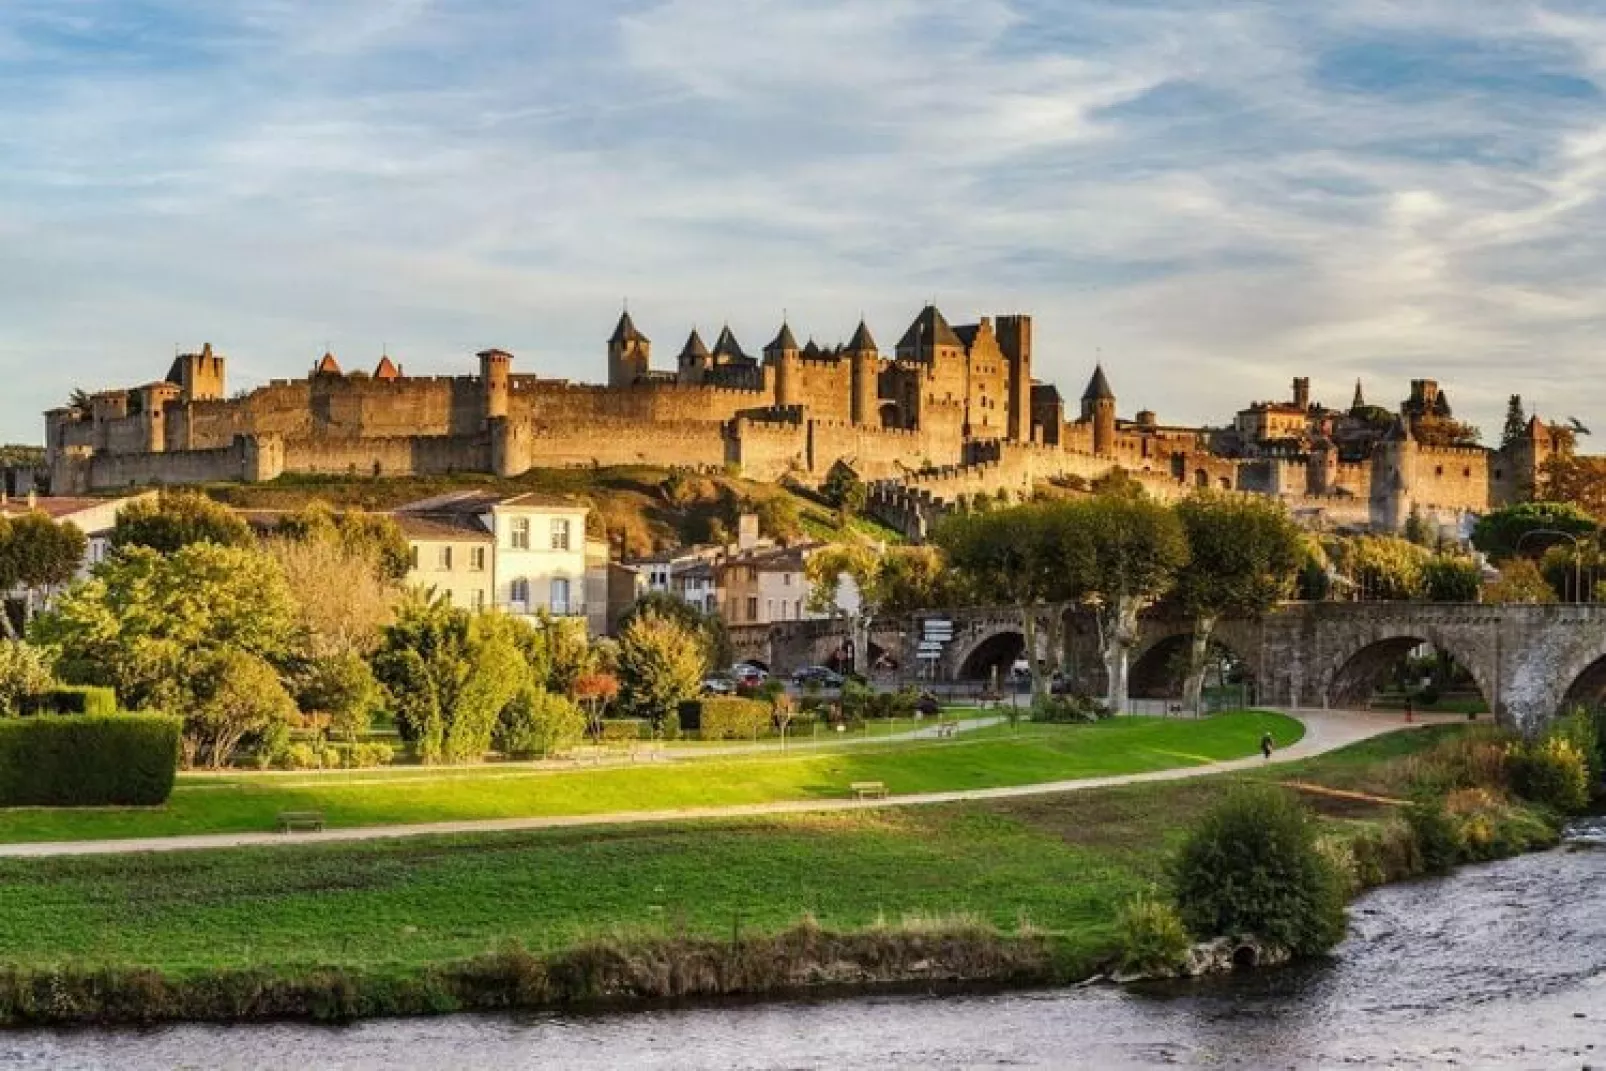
(1578, 555)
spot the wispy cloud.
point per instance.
(1216, 195)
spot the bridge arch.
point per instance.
(1353, 673)
(1164, 639)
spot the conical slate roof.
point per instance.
(727, 347)
(328, 366)
(1360, 399)
(929, 329)
(784, 341)
(862, 341)
(694, 348)
(387, 369)
(625, 331)
(1098, 388)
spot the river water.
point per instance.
(1498, 966)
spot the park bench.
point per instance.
(869, 790)
(307, 820)
(946, 730)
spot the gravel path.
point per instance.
(1324, 731)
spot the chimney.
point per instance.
(747, 531)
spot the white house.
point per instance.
(95, 517)
(538, 544)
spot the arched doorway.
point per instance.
(997, 653)
(1391, 672)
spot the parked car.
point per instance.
(717, 685)
(745, 673)
(819, 676)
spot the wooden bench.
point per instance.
(307, 820)
(947, 730)
(869, 790)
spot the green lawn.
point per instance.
(991, 757)
(1061, 864)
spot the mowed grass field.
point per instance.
(1057, 864)
(986, 758)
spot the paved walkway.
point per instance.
(1324, 731)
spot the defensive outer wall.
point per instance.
(1529, 662)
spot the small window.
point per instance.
(769, 609)
(521, 533)
(445, 558)
(786, 580)
(412, 556)
(752, 607)
(1467, 471)
(1438, 470)
(560, 595)
(560, 533)
(476, 559)
(520, 591)
(479, 598)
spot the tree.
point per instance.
(231, 695)
(661, 663)
(844, 490)
(24, 673)
(1243, 556)
(1578, 481)
(1436, 430)
(177, 519)
(538, 722)
(496, 675)
(423, 661)
(857, 584)
(711, 627)
(1380, 568)
(36, 555)
(370, 537)
(594, 692)
(1515, 429)
(1451, 578)
(343, 687)
(143, 620)
(343, 598)
(1121, 554)
(1502, 533)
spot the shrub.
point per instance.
(1552, 772)
(1435, 835)
(362, 755)
(616, 729)
(1251, 866)
(733, 719)
(1152, 938)
(71, 699)
(24, 673)
(1068, 709)
(298, 757)
(88, 760)
(1385, 855)
(538, 722)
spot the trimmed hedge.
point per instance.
(88, 760)
(615, 729)
(733, 719)
(71, 699)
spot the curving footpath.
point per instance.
(1324, 731)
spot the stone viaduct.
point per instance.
(1528, 661)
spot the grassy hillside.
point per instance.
(644, 504)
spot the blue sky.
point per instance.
(1216, 196)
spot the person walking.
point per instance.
(1266, 745)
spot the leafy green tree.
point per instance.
(858, 584)
(36, 555)
(423, 661)
(24, 673)
(1243, 557)
(496, 674)
(1382, 568)
(844, 489)
(1252, 866)
(1520, 581)
(143, 619)
(661, 663)
(1573, 571)
(1451, 578)
(1515, 428)
(371, 537)
(710, 627)
(177, 519)
(344, 688)
(1501, 533)
(229, 697)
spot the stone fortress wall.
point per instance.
(950, 413)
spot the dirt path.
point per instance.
(1324, 731)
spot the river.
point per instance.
(1498, 966)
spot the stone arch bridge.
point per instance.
(1528, 661)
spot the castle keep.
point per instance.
(952, 411)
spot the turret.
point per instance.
(1394, 460)
(694, 360)
(1098, 407)
(784, 356)
(629, 353)
(496, 367)
(199, 376)
(1302, 392)
(1015, 339)
(866, 364)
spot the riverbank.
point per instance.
(1017, 891)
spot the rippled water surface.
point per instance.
(1498, 966)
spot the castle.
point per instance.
(952, 411)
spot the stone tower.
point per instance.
(1394, 461)
(695, 360)
(1015, 339)
(1098, 407)
(1302, 392)
(199, 376)
(629, 354)
(495, 368)
(866, 358)
(786, 358)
